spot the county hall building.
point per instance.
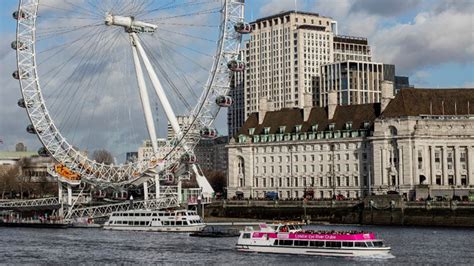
(420, 138)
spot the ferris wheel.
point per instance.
(90, 69)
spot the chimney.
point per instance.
(263, 108)
(332, 104)
(307, 105)
(387, 93)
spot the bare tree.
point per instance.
(8, 178)
(217, 179)
(103, 156)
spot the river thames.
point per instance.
(95, 246)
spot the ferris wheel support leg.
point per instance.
(179, 197)
(157, 85)
(144, 97)
(157, 187)
(69, 195)
(145, 190)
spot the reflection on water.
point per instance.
(415, 245)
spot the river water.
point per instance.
(96, 246)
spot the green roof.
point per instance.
(4, 155)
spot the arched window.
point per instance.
(241, 171)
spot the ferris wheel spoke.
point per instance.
(71, 88)
(198, 13)
(186, 4)
(172, 64)
(189, 35)
(88, 13)
(57, 33)
(85, 36)
(55, 70)
(86, 10)
(170, 47)
(166, 77)
(186, 24)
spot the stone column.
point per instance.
(432, 165)
(444, 162)
(470, 165)
(457, 166)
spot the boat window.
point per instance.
(155, 214)
(125, 214)
(378, 243)
(316, 243)
(301, 243)
(369, 244)
(333, 244)
(179, 223)
(348, 244)
(246, 235)
(360, 244)
(160, 214)
(286, 242)
(148, 214)
(147, 223)
(142, 223)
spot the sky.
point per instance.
(431, 41)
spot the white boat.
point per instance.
(292, 239)
(155, 220)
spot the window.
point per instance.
(377, 243)
(438, 159)
(463, 159)
(360, 244)
(348, 244)
(316, 243)
(438, 180)
(450, 179)
(333, 244)
(420, 160)
(301, 243)
(285, 242)
(246, 235)
(450, 159)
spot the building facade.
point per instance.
(351, 48)
(212, 154)
(357, 82)
(284, 53)
(235, 112)
(355, 150)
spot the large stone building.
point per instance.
(284, 52)
(423, 137)
(235, 112)
(212, 154)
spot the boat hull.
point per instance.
(179, 229)
(341, 252)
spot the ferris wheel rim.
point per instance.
(62, 150)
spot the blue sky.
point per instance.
(431, 41)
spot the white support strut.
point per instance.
(144, 98)
(157, 85)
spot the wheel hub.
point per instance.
(129, 24)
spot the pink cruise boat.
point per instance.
(292, 239)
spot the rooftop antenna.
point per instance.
(455, 108)
(431, 107)
(468, 112)
(442, 105)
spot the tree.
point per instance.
(103, 156)
(8, 179)
(217, 179)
